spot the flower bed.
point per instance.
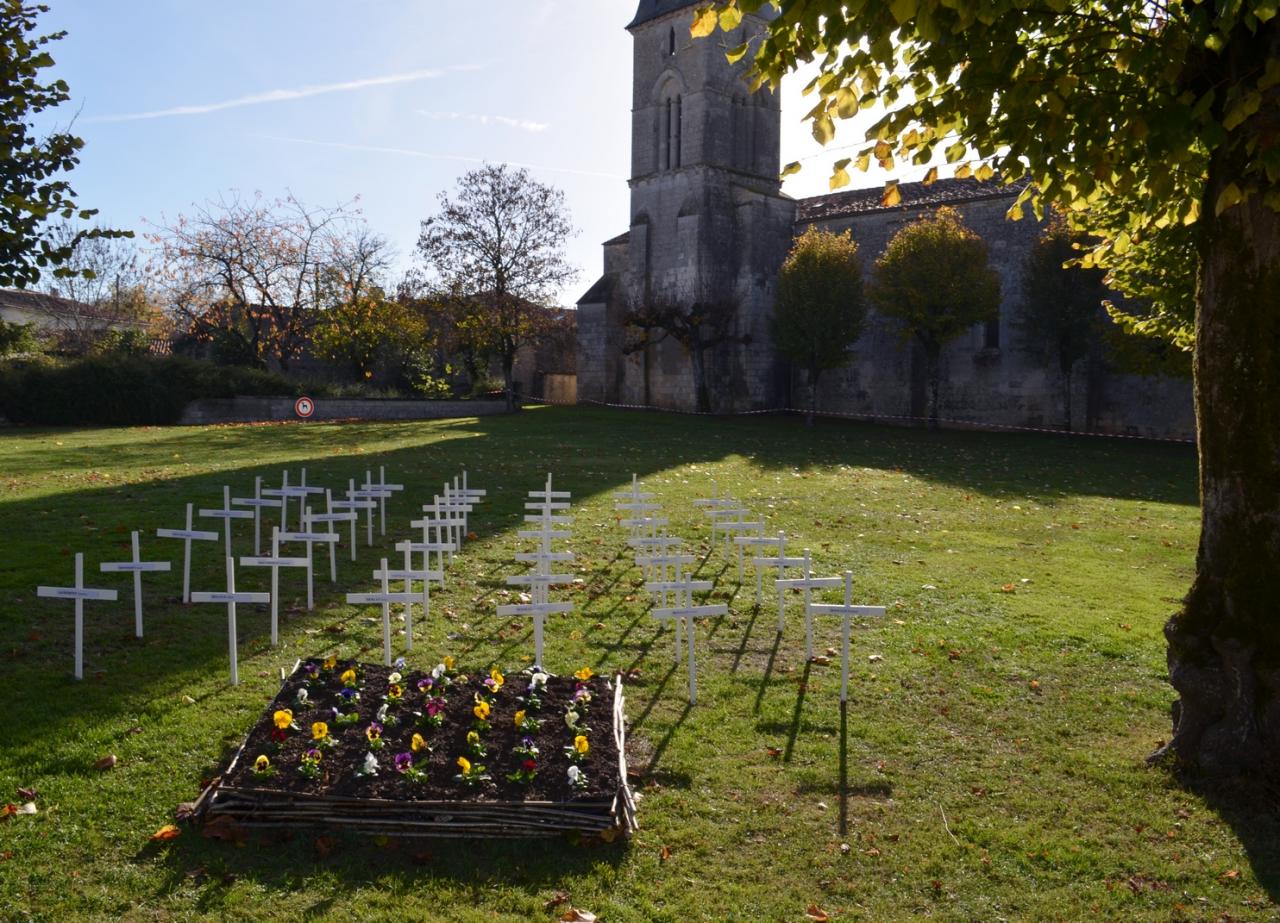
(435, 753)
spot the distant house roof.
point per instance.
(652, 9)
(600, 292)
(914, 195)
(622, 238)
(47, 311)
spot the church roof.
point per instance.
(652, 9)
(914, 195)
(600, 292)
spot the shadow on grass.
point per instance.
(1252, 810)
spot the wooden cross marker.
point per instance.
(410, 575)
(656, 544)
(226, 514)
(188, 535)
(137, 567)
(258, 502)
(751, 537)
(384, 599)
(548, 494)
(275, 562)
(436, 539)
(634, 495)
(230, 598)
(539, 611)
(455, 509)
(298, 492)
(378, 496)
(781, 562)
(384, 490)
(756, 542)
(848, 611)
(78, 592)
(715, 501)
(727, 520)
(353, 503)
(808, 583)
(329, 517)
(311, 538)
(688, 615)
(471, 493)
(657, 564)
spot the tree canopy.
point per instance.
(820, 309)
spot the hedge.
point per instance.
(122, 391)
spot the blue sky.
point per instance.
(387, 100)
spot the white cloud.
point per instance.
(276, 96)
(409, 152)
(522, 124)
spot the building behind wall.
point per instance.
(708, 220)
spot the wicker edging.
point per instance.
(260, 807)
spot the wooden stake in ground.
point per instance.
(384, 599)
(275, 562)
(78, 592)
(188, 535)
(137, 567)
(847, 612)
(808, 583)
(258, 502)
(689, 615)
(226, 514)
(230, 598)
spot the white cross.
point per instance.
(259, 503)
(847, 612)
(385, 490)
(808, 583)
(275, 562)
(715, 500)
(188, 535)
(752, 539)
(658, 564)
(640, 525)
(311, 538)
(353, 503)
(726, 520)
(781, 562)
(409, 574)
(330, 517)
(436, 538)
(287, 493)
(374, 493)
(548, 494)
(226, 514)
(230, 598)
(634, 495)
(656, 544)
(79, 592)
(471, 493)
(385, 599)
(137, 567)
(453, 508)
(758, 542)
(539, 611)
(688, 615)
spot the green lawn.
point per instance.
(989, 767)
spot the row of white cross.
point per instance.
(371, 495)
(444, 527)
(546, 510)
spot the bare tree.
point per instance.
(497, 246)
(698, 326)
(255, 274)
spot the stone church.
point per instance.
(709, 221)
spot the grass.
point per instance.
(988, 767)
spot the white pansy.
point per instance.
(370, 767)
(382, 715)
(393, 678)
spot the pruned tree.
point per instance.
(497, 248)
(699, 326)
(820, 309)
(1062, 310)
(254, 276)
(1152, 125)
(934, 278)
(32, 192)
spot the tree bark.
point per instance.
(933, 374)
(508, 379)
(1224, 645)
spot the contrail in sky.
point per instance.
(522, 124)
(277, 96)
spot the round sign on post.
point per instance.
(304, 407)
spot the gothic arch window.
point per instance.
(670, 132)
(671, 42)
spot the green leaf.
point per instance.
(734, 55)
(1229, 196)
(902, 10)
(823, 129)
(730, 18)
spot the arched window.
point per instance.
(670, 132)
(679, 129)
(671, 42)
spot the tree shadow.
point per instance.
(1251, 808)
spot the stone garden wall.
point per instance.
(265, 409)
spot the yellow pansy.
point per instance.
(395, 691)
(464, 764)
(473, 737)
(319, 730)
(496, 675)
(481, 711)
(418, 744)
(585, 674)
(283, 718)
(519, 718)
(448, 663)
(581, 744)
(331, 661)
(348, 678)
(261, 764)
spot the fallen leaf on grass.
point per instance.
(165, 833)
(820, 660)
(27, 794)
(8, 811)
(1008, 588)
(814, 912)
(105, 763)
(1231, 875)
(574, 915)
(774, 752)
(6, 855)
(556, 899)
(664, 853)
(1035, 685)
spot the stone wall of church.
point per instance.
(1001, 381)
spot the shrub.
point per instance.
(122, 391)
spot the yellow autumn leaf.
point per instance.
(704, 22)
(891, 196)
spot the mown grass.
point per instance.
(988, 767)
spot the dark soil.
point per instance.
(339, 765)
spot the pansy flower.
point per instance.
(262, 767)
(584, 674)
(481, 711)
(319, 730)
(426, 684)
(369, 767)
(348, 678)
(448, 663)
(402, 762)
(311, 669)
(331, 661)
(393, 679)
(577, 778)
(418, 743)
(374, 733)
(309, 765)
(465, 765)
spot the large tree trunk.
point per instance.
(933, 374)
(509, 379)
(1224, 646)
